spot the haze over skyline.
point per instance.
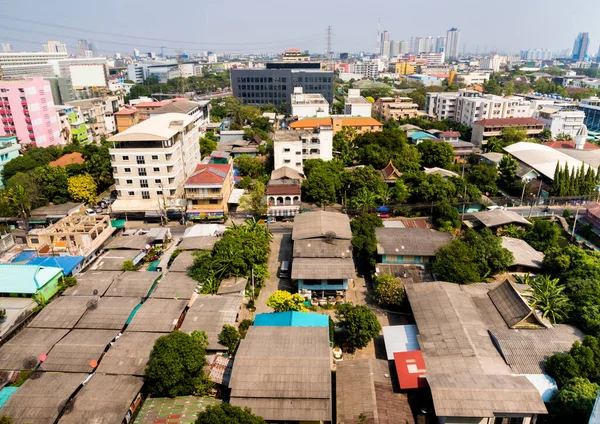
(241, 26)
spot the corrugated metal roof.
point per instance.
(323, 268)
(26, 278)
(174, 285)
(319, 224)
(157, 315)
(291, 319)
(400, 338)
(130, 354)
(23, 351)
(411, 370)
(64, 312)
(66, 263)
(410, 241)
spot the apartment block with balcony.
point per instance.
(98, 114)
(28, 112)
(561, 119)
(471, 106)
(207, 191)
(73, 127)
(292, 147)
(9, 149)
(441, 105)
(395, 108)
(152, 160)
(487, 128)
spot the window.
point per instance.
(286, 161)
(213, 202)
(159, 192)
(287, 149)
(158, 181)
(156, 169)
(142, 172)
(140, 160)
(144, 183)
(145, 194)
(114, 168)
(298, 152)
(154, 157)
(35, 240)
(127, 170)
(129, 181)
(131, 193)
(125, 157)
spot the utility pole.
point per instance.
(535, 198)
(574, 223)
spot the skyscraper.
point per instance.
(82, 46)
(55, 46)
(386, 48)
(580, 47)
(385, 36)
(6, 47)
(452, 44)
(440, 44)
(404, 47)
(394, 48)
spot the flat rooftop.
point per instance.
(357, 101)
(308, 99)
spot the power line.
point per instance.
(162, 40)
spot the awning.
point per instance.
(283, 212)
(236, 195)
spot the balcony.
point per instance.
(24, 102)
(7, 120)
(200, 196)
(28, 119)
(5, 111)
(30, 128)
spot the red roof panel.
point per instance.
(569, 145)
(209, 173)
(411, 370)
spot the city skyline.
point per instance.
(206, 27)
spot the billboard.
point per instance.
(87, 76)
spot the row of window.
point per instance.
(263, 94)
(141, 171)
(140, 160)
(261, 79)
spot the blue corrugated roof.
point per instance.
(5, 394)
(420, 135)
(291, 319)
(66, 263)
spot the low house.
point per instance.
(487, 128)
(284, 374)
(450, 136)
(526, 258)
(53, 213)
(494, 219)
(284, 192)
(364, 394)
(419, 136)
(322, 254)
(207, 191)
(462, 150)
(444, 173)
(592, 215)
(71, 265)
(240, 147)
(29, 280)
(409, 245)
(395, 108)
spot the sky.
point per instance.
(246, 26)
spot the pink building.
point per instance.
(27, 111)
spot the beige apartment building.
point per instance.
(395, 108)
(151, 161)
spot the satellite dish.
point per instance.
(92, 304)
(95, 292)
(30, 362)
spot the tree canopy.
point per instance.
(225, 413)
(283, 301)
(359, 322)
(364, 241)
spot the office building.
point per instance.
(151, 160)
(27, 111)
(440, 44)
(404, 47)
(9, 149)
(55, 46)
(591, 108)
(452, 44)
(385, 48)
(308, 105)
(580, 47)
(275, 84)
(5, 47)
(83, 46)
(29, 58)
(292, 147)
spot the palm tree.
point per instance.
(384, 194)
(364, 199)
(522, 279)
(546, 295)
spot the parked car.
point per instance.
(90, 212)
(98, 209)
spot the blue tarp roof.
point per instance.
(291, 319)
(420, 135)
(5, 394)
(67, 263)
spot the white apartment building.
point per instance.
(357, 105)
(369, 69)
(151, 161)
(471, 108)
(492, 63)
(29, 58)
(472, 78)
(560, 119)
(313, 105)
(292, 147)
(433, 59)
(441, 105)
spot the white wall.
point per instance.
(288, 153)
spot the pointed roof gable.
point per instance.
(514, 309)
(209, 173)
(390, 172)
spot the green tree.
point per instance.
(508, 171)
(244, 326)
(283, 301)
(546, 295)
(323, 181)
(176, 364)
(5, 419)
(563, 137)
(230, 338)
(388, 291)
(250, 166)
(511, 135)
(225, 413)
(359, 322)
(255, 200)
(207, 146)
(445, 216)
(364, 200)
(512, 230)
(455, 263)
(364, 241)
(491, 86)
(484, 177)
(82, 188)
(400, 192)
(509, 88)
(128, 266)
(436, 153)
(542, 235)
(546, 134)
(574, 402)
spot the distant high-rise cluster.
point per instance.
(86, 48)
(580, 47)
(452, 43)
(536, 54)
(55, 46)
(5, 47)
(392, 48)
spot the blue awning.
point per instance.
(383, 209)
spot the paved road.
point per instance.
(281, 250)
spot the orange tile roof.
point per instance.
(151, 104)
(361, 122)
(68, 159)
(310, 123)
(127, 111)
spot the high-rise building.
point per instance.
(6, 47)
(440, 44)
(386, 48)
(394, 48)
(27, 111)
(536, 54)
(82, 47)
(452, 44)
(385, 36)
(55, 46)
(404, 47)
(580, 47)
